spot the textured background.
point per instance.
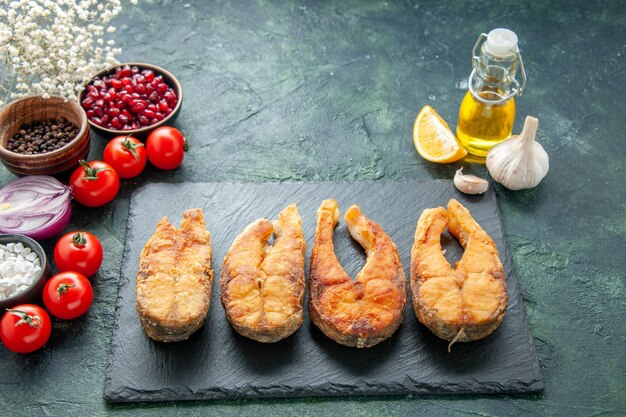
(328, 90)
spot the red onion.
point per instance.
(36, 206)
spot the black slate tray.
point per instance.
(218, 363)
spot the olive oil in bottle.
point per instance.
(487, 112)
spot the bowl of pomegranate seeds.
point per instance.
(132, 98)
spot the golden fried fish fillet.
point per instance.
(369, 309)
(175, 279)
(262, 286)
(465, 303)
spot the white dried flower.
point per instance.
(52, 47)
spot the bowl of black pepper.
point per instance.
(43, 136)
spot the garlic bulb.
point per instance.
(519, 162)
(469, 184)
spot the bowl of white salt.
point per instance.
(24, 270)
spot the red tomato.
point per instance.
(166, 147)
(68, 295)
(78, 251)
(127, 155)
(25, 328)
(94, 183)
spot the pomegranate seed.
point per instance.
(98, 111)
(138, 108)
(154, 121)
(126, 81)
(134, 70)
(99, 103)
(126, 113)
(144, 120)
(98, 83)
(171, 100)
(117, 84)
(115, 122)
(163, 106)
(114, 112)
(127, 127)
(134, 125)
(87, 102)
(126, 71)
(123, 118)
(149, 88)
(107, 98)
(105, 119)
(152, 107)
(130, 89)
(148, 113)
(154, 97)
(97, 121)
(90, 113)
(118, 72)
(140, 88)
(159, 116)
(148, 75)
(162, 88)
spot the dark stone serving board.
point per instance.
(218, 363)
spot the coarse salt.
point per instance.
(19, 266)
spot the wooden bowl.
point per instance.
(169, 79)
(32, 294)
(33, 108)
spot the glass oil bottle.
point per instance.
(487, 111)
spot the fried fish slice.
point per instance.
(465, 303)
(369, 309)
(262, 286)
(175, 279)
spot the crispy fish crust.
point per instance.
(465, 303)
(175, 279)
(369, 309)
(262, 286)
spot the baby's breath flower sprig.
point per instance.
(54, 46)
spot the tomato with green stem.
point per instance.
(68, 295)
(78, 251)
(25, 328)
(94, 183)
(127, 156)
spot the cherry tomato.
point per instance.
(68, 295)
(166, 147)
(127, 155)
(25, 328)
(94, 183)
(79, 252)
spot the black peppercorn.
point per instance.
(42, 136)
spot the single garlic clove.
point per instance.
(519, 162)
(469, 184)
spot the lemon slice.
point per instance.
(434, 140)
